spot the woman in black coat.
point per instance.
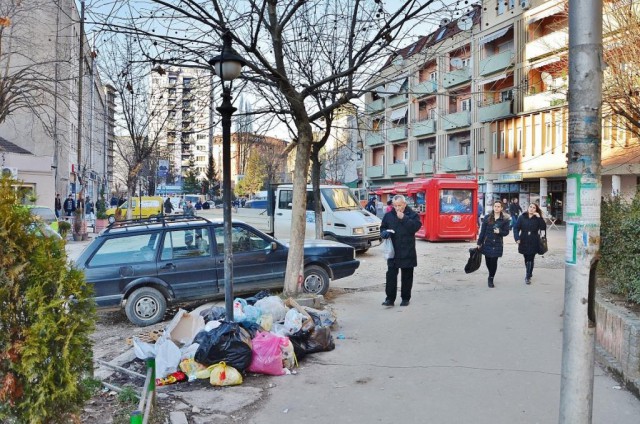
(495, 226)
(400, 224)
(526, 231)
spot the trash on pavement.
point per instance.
(267, 354)
(167, 357)
(318, 339)
(224, 375)
(322, 318)
(273, 306)
(229, 343)
(183, 327)
(172, 378)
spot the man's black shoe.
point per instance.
(404, 303)
(387, 302)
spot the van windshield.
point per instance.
(340, 199)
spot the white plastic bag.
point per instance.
(292, 322)
(387, 248)
(274, 306)
(167, 357)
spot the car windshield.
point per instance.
(46, 214)
(340, 199)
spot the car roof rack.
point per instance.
(155, 222)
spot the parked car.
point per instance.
(46, 215)
(144, 265)
(149, 206)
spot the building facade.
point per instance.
(485, 96)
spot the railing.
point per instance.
(496, 62)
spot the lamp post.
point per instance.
(227, 66)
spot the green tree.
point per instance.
(255, 175)
(46, 315)
(211, 184)
(190, 183)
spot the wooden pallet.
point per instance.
(149, 337)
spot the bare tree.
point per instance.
(313, 57)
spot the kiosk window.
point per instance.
(456, 202)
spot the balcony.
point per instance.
(457, 77)
(375, 106)
(495, 63)
(375, 171)
(397, 134)
(544, 100)
(424, 88)
(374, 138)
(456, 120)
(420, 167)
(456, 163)
(494, 111)
(397, 169)
(397, 100)
(548, 44)
(425, 127)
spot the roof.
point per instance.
(9, 147)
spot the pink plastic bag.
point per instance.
(267, 355)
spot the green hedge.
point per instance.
(620, 246)
(46, 317)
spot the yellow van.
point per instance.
(151, 206)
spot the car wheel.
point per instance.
(316, 280)
(145, 306)
(111, 219)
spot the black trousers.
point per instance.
(492, 265)
(406, 280)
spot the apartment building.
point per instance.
(182, 122)
(42, 43)
(486, 95)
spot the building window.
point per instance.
(519, 148)
(186, 82)
(466, 104)
(502, 144)
(547, 137)
(494, 139)
(465, 148)
(506, 95)
(431, 152)
(433, 76)
(432, 113)
(501, 7)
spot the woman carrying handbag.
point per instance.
(526, 232)
(495, 226)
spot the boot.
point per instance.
(529, 267)
(490, 282)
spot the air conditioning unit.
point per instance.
(525, 4)
(10, 172)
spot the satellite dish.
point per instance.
(465, 23)
(445, 21)
(456, 62)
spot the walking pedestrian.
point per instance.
(188, 209)
(514, 210)
(69, 206)
(495, 226)
(168, 206)
(389, 207)
(58, 205)
(401, 225)
(526, 232)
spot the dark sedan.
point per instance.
(143, 265)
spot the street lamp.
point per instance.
(227, 66)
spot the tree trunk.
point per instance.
(294, 274)
(315, 181)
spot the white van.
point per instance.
(343, 217)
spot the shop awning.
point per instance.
(558, 8)
(494, 35)
(398, 114)
(493, 79)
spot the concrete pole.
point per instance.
(544, 192)
(616, 183)
(584, 188)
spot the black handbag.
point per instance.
(475, 259)
(542, 244)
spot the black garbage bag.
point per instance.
(316, 339)
(213, 314)
(229, 343)
(260, 295)
(251, 327)
(475, 259)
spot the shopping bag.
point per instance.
(387, 248)
(224, 375)
(475, 259)
(543, 247)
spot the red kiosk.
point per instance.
(448, 206)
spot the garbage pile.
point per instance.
(268, 336)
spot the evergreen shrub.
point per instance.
(46, 317)
(620, 246)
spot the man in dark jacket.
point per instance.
(401, 225)
(69, 206)
(168, 207)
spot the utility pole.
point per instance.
(584, 188)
